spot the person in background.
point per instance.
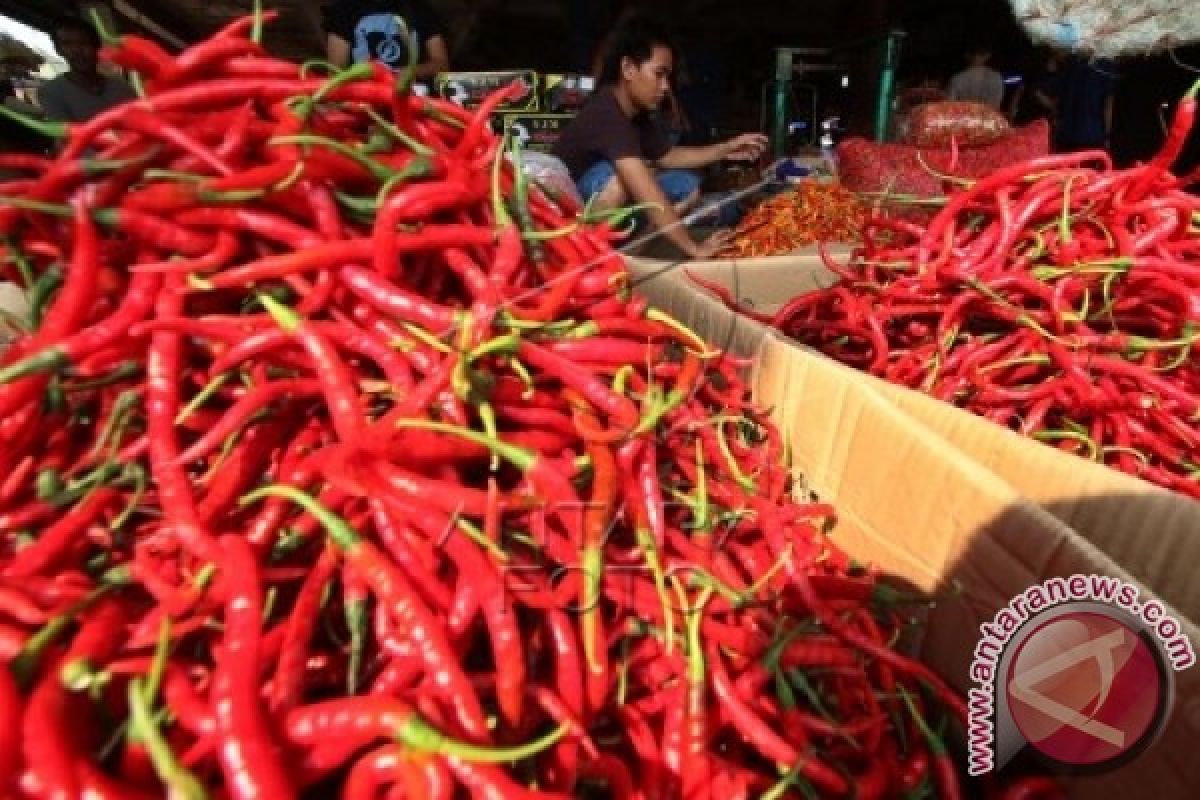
(618, 155)
(978, 83)
(365, 30)
(1085, 104)
(82, 91)
(670, 114)
(1037, 96)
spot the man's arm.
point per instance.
(641, 187)
(747, 147)
(438, 60)
(693, 157)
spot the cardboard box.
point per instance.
(1154, 534)
(468, 89)
(536, 132)
(929, 515)
(926, 512)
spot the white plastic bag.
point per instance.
(551, 174)
(1110, 28)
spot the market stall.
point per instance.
(345, 454)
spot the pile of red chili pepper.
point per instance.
(1057, 297)
(339, 461)
(812, 212)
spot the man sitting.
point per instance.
(617, 153)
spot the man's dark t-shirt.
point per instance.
(602, 132)
(375, 28)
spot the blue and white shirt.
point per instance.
(379, 29)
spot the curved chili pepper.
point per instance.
(162, 401)
(397, 595)
(766, 740)
(335, 377)
(250, 759)
(363, 719)
(58, 538)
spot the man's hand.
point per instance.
(713, 244)
(747, 147)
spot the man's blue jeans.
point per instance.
(677, 184)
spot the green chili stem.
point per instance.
(344, 536)
(420, 735)
(181, 783)
(203, 396)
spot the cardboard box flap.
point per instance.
(1154, 534)
(665, 285)
(658, 248)
(934, 519)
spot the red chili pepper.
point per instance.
(11, 704)
(397, 595)
(206, 55)
(65, 533)
(335, 377)
(380, 294)
(488, 783)
(155, 127)
(251, 760)
(50, 749)
(619, 408)
(162, 401)
(1172, 148)
(139, 54)
(765, 740)
(289, 673)
(500, 616)
(136, 304)
(68, 311)
(363, 719)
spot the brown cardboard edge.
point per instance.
(1153, 532)
(1018, 539)
(1156, 533)
(924, 511)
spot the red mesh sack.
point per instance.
(867, 167)
(970, 124)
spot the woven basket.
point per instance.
(1111, 28)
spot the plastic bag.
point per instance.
(553, 177)
(1110, 28)
(971, 124)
